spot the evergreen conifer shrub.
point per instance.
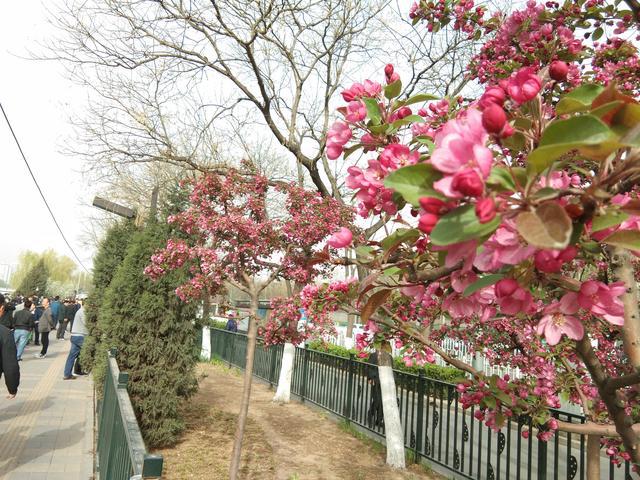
(110, 254)
(154, 334)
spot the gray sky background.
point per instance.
(39, 101)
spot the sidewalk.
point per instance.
(46, 432)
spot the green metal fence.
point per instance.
(436, 427)
(121, 451)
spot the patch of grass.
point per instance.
(363, 437)
(224, 365)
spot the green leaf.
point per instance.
(364, 251)
(602, 110)
(546, 193)
(629, 239)
(579, 99)
(597, 33)
(489, 402)
(482, 282)
(611, 218)
(388, 272)
(401, 235)
(414, 182)
(373, 110)
(501, 177)
(563, 136)
(461, 225)
(393, 89)
(402, 122)
(421, 97)
(516, 142)
(379, 129)
(351, 149)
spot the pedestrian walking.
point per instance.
(78, 332)
(45, 326)
(56, 311)
(8, 358)
(232, 325)
(23, 324)
(68, 311)
(37, 313)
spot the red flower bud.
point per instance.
(388, 70)
(485, 209)
(404, 112)
(492, 96)
(468, 183)
(507, 131)
(558, 70)
(433, 205)
(427, 222)
(506, 287)
(494, 119)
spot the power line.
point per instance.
(53, 217)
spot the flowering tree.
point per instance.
(517, 214)
(234, 239)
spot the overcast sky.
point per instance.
(39, 101)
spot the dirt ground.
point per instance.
(282, 442)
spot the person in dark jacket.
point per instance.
(56, 311)
(6, 318)
(44, 327)
(68, 311)
(375, 415)
(8, 358)
(37, 313)
(232, 325)
(23, 324)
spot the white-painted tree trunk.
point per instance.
(283, 392)
(392, 425)
(206, 343)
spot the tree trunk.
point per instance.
(205, 348)
(246, 388)
(593, 457)
(283, 392)
(392, 424)
(350, 321)
(205, 351)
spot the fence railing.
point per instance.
(121, 451)
(436, 427)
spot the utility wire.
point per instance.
(53, 217)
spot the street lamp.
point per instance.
(113, 207)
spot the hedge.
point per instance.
(435, 372)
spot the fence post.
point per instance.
(152, 466)
(349, 403)
(420, 420)
(542, 460)
(305, 373)
(233, 344)
(272, 372)
(123, 380)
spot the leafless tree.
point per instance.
(276, 62)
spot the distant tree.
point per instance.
(60, 269)
(35, 280)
